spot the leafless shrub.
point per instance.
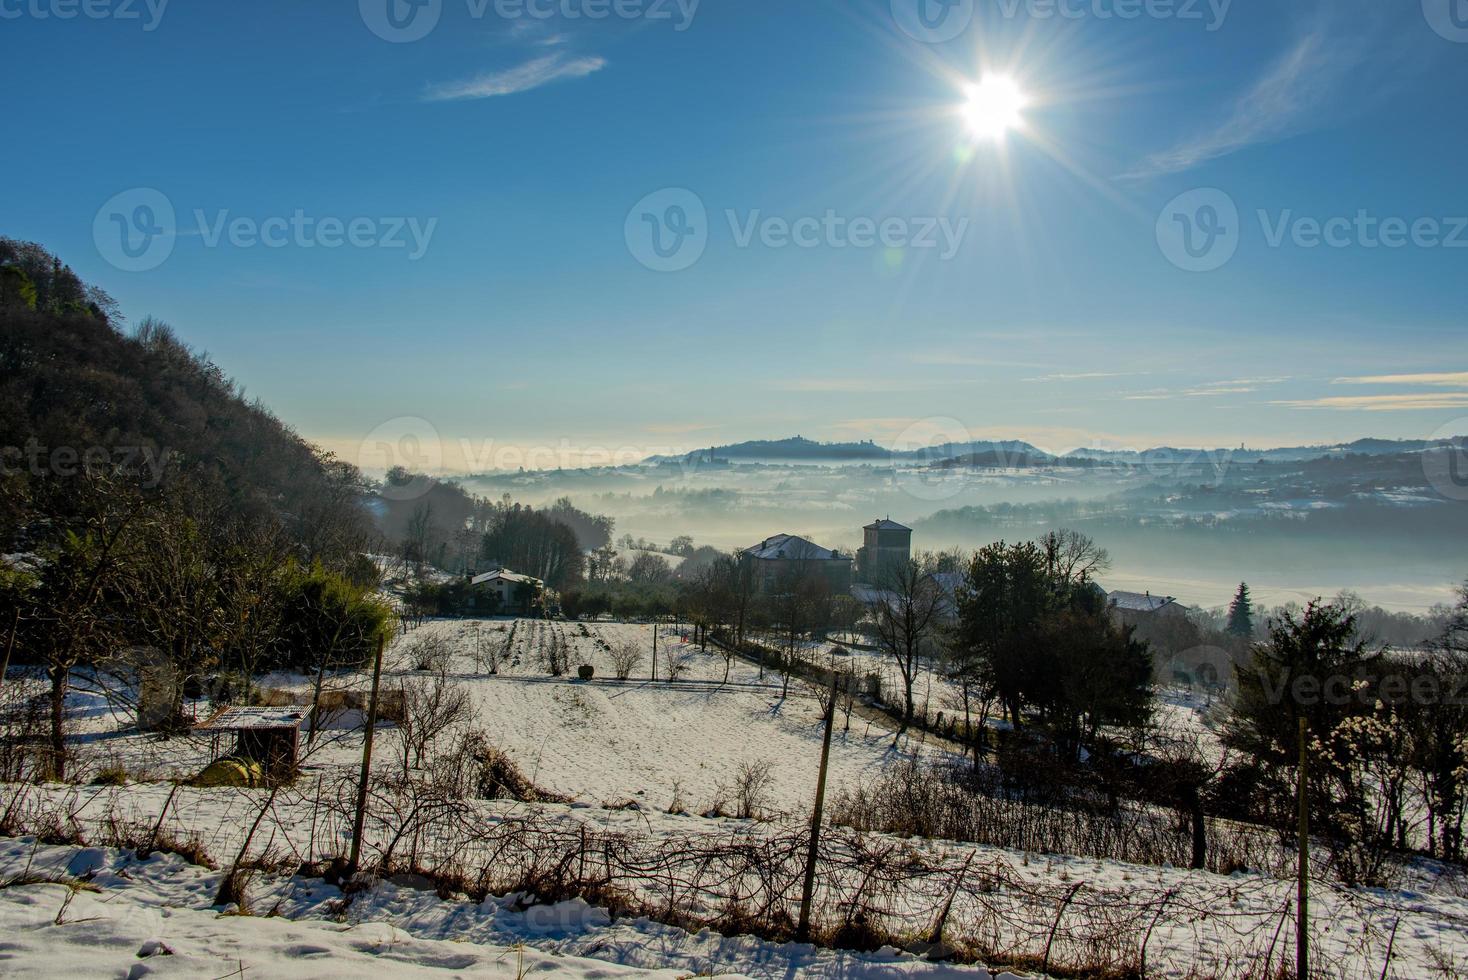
(431, 706)
(679, 661)
(475, 768)
(750, 793)
(24, 714)
(428, 652)
(555, 652)
(625, 655)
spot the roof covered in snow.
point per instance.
(886, 524)
(235, 719)
(1138, 601)
(503, 575)
(790, 547)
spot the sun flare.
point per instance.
(994, 107)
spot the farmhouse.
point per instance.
(514, 592)
(1137, 608)
(783, 560)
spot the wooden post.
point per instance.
(10, 646)
(654, 649)
(359, 827)
(802, 931)
(1302, 919)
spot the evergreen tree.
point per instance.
(1241, 613)
(1309, 667)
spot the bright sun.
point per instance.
(993, 107)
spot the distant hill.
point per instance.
(1289, 454)
(802, 449)
(1015, 453)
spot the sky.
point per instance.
(558, 230)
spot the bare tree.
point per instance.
(907, 614)
(1072, 557)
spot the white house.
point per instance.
(515, 591)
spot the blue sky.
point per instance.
(517, 153)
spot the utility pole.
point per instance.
(802, 931)
(1302, 922)
(360, 826)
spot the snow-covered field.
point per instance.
(155, 918)
(670, 749)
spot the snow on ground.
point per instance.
(155, 917)
(602, 742)
(652, 741)
(1213, 919)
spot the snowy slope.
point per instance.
(154, 918)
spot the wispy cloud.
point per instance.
(860, 385)
(1345, 53)
(1384, 403)
(522, 78)
(1208, 389)
(1451, 379)
(1084, 376)
(1276, 106)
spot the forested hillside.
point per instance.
(151, 519)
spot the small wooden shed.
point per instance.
(270, 736)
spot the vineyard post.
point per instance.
(10, 646)
(359, 827)
(1302, 922)
(802, 931)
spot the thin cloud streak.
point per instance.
(1451, 379)
(1278, 105)
(1383, 403)
(522, 78)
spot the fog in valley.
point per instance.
(1295, 524)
